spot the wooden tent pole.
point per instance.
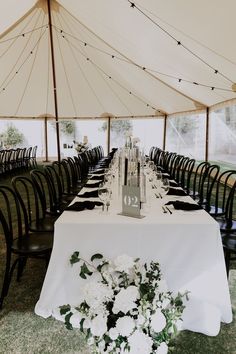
(54, 80)
(46, 138)
(207, 134)
(164, 132)
(108, 134)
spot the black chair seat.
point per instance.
(19, 240)
(43, 225)
(229, 242)
(225, 227)
(36, 244)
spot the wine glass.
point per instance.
(151, 165)
(159, 180)
(103, 194)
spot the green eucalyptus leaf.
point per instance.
(67, 321)
(82, 325)
(96, 256)
(64, 309)
(74, 258)
(84, 271)
(100, 266)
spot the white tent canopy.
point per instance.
(156, 57)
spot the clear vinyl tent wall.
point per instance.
(188, 134)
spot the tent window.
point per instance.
(149, 131)
(27, 133)
(222, 136)
(186, 135)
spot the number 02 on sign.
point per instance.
(131, 202)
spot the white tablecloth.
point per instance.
(186, 244)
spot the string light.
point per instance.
(110, 77)
(179, 42)
(21, 66)
(146, 69)
(23, 34)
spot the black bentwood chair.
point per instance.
(21, 244)
(33, 206)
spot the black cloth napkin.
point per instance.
(94, 185)
(173, 184)
(97, 177)
(79, 206)
(93, 194)
(174, 191)
(165, 175)
(103, 165)
(179, 205)
(98, 172)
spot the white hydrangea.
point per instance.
(113, 333)
(123, 263)
(162, 349)
(125, 326)
(158, 321)
(101, 346)
(140, 343)
(87, 323)
(96, 293)
(98, 326)
(75, 319)
(141, 320)
(125, 299)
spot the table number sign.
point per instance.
(131, 202)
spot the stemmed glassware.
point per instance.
(165, 186)
(104, 194)
(150, 170)
(158, 177)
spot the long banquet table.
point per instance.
(187, 245)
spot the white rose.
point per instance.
(123, 263)
(125, 326)
(158, 321)
(162, 349)
(140, 343)
(98, 326)
(113, 333)
(125, 299)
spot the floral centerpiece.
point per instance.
(81, 147)
(127, 309)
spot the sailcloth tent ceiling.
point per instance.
(142, 58)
